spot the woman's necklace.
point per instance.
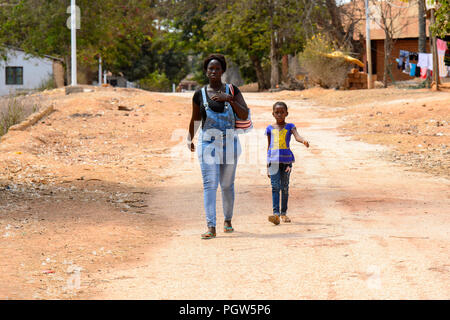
(214, 90)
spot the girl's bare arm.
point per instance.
(299, 138)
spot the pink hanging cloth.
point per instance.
(441, 45)
(423, 73)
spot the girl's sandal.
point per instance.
(208, 235)
(227, 228)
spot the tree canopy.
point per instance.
(146, 38)
(441, 27)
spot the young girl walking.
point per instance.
(280, 159)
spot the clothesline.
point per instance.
(425, 61)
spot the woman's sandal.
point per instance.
(208, 235)
(228, 229)
(274, 219)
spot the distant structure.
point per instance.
(23, 72)
(232, 75)
(117, 81)
(187, 84)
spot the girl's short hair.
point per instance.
(215, 56)
(280, 103)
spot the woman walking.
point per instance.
(216, 106)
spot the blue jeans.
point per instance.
(279, 180)
(213, 175)
(218, 166)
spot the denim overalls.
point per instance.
(218, 152)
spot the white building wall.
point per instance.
(35, 71)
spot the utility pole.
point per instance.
(74, 41)
(368, 48)
(100, 72)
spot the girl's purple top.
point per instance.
(279, 144)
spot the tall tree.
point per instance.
(263, 29)
(240, 31)
(339, 22)
(422, 45)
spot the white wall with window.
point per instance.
(23, 72)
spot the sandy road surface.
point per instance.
(362, 228)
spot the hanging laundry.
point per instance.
(413, 56)
(423, 60)
(430, 61)
(412, 69)
(447, 55)
(417, 71)
(404, 59)
(423, 73)
(407, 68)
(441, 45)
(443, 69)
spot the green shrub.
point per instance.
(326, 72)
(155, 82)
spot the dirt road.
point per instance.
(361, 228)
(102, 203)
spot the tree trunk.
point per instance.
(262, 85)
(387, 58)
(68, 72)
(335, 15)
(285, 68)
(422, 26)
(341, 27)
(274, 72)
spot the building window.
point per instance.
(14, 75)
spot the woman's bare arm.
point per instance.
(196, 117)
(239, 106)
(268, 146)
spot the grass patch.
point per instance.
(48, 84)
(14, 109)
